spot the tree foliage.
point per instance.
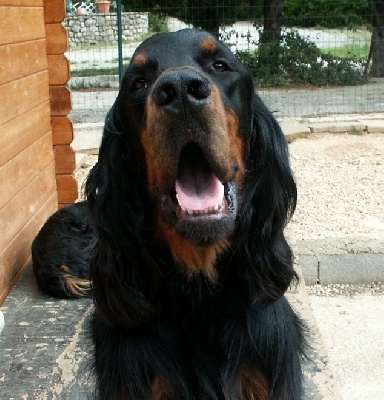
(210, 14)
(326, 13)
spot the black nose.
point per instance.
(182, 89)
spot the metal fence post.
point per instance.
(119, 40)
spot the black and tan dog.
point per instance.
(189, 200)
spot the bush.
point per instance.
(157, 21)
(302, 63)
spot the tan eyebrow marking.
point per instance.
(140, 59)
(209, 44)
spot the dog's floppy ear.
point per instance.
(123, 272)
(269, 200)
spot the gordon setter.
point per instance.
(189, 200)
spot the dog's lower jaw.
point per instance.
(195, 260)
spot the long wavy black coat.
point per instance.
(189, 199)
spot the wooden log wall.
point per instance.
(34, 128)
(60, 98)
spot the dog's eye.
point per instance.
(220, 66)
(139, 84)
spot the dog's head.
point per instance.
(184, 93)
(190, 158)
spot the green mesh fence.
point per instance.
(308, 59)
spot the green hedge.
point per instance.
(301, 63)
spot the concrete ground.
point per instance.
(352, 331)
(44, 347)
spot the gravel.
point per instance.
(82, 172)
(373, 289)
(340, 180)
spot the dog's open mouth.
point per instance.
(202, 208)
(198, 190)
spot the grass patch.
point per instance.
(126, 60)
(348, 52)
(356, 131)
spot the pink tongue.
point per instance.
(198, 189)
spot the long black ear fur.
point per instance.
(123, 216)
(269, 200)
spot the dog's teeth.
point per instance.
(181, 205)
(208, 210)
